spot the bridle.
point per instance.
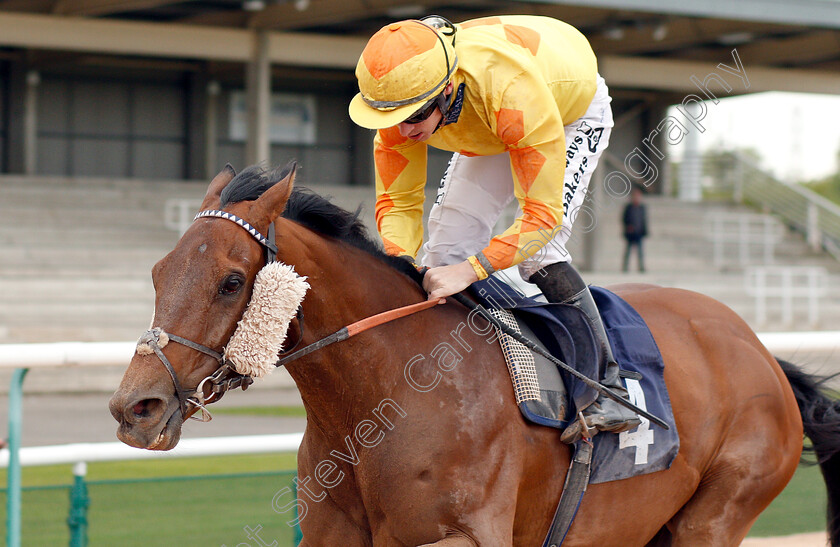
(225, 377)
(221, 380)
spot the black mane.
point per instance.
(319, 214)
(314, 211)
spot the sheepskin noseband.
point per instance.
(259, 336)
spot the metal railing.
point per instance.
(789, 285)
(178, 213)
(22, 357)
(80, 454)
(743, 232)
(800, 208)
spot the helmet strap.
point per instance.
(443, 103)
(450, 106)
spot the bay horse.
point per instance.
(384, 463)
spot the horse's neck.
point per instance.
(346, 285)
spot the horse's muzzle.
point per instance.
(150, 422)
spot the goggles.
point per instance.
(424, 112)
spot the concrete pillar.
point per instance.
(211, 130)
(691, 170)
(587, 221)
(202, 124)
(655, 147)
(22, 127)
(258, 93)
(30, 123)
(16, 119)
(194, 99)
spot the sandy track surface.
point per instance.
(815, 539)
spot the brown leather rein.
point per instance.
(226, 377)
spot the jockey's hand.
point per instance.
(444, 281)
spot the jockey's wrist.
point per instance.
(480, 272)
(485, 263)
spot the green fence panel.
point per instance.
(43, 516)
(231, 510)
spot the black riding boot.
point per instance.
(560, 283)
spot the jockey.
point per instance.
(519, 101)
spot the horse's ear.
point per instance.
(273, 201)
(211, 199)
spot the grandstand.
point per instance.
(110, 108)
(78, 255)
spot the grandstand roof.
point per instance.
(772, 35)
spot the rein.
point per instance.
(355, 328)
(226, 377)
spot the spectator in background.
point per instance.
(635, 227)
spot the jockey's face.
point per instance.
(421, 131)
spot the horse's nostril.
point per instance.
(144, 408)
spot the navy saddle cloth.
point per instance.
(566, 334)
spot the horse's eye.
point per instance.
(231, 285)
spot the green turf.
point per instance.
(127, 508)
(195, 512)
(184, 512)
(285, 411)
(801, 507)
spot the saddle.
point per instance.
(541, 392)
(540, 387)
(537, 385)
(565, 333)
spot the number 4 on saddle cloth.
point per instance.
(565, 333)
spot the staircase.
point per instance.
(75, 265)
(77, 254)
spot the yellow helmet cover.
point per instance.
(402, 66)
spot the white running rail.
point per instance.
(114, 451)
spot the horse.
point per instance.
(411, 445)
